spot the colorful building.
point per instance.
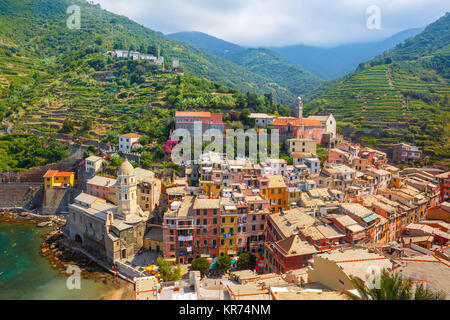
(58, 179)
(274, 189)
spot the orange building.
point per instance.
(58, 179)
(274, 189)
(300, 128)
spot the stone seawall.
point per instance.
(56, 201)
(35, 175)
(28, 196)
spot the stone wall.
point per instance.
(35, 175)
(56, 201)
(28, 196)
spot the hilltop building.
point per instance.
(128, 141)
(207, 120)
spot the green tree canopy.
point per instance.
(246, 260)
(168, 271)
(223, 263)
(201, 264)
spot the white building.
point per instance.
(94, 164)
(329, 122)
(262, 120)
(127, 141)
(278, 166)
(313, 164)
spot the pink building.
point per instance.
(102, 187)
(300, 128)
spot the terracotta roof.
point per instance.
(131, 135)
(297, 122)
(63, 174)
(50, 173)
(295, 246)
(192, 114)
(56, 173)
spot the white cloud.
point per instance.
(280, 22)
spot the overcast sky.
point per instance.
(280, 22)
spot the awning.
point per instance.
(370, 218)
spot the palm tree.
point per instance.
(392, 287)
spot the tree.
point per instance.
(87, 125)
(246, 260)
(168, 271)
(68, 126)
(223, 263)
(392, 287)
(200, 264)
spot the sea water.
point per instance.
(25, 274)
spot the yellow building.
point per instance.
(396, 182)
(210, 188)
(361, 164)
(294, 195)
(228, 224)
(58, 179)
(153, 240)
(275, 192)
(302, 145)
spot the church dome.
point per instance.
(126, 169)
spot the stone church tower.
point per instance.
(126, 191)
(299, 108)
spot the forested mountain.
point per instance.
(269, 64)
(264, 62)
(209, 43)
(39, 26)
(400, 96)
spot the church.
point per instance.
(312, 127)
(112, 233)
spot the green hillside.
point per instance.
(269, 64)
(402, 96)
(263, 62)
(209, 43)
(57, 80)
(39, 26)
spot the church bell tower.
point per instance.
(299, 108)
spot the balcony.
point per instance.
(185, 238)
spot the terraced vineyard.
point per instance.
(400, 97)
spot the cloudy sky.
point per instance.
(281, 22)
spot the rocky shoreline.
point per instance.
(60, 256)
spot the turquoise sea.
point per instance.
(25, 274)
